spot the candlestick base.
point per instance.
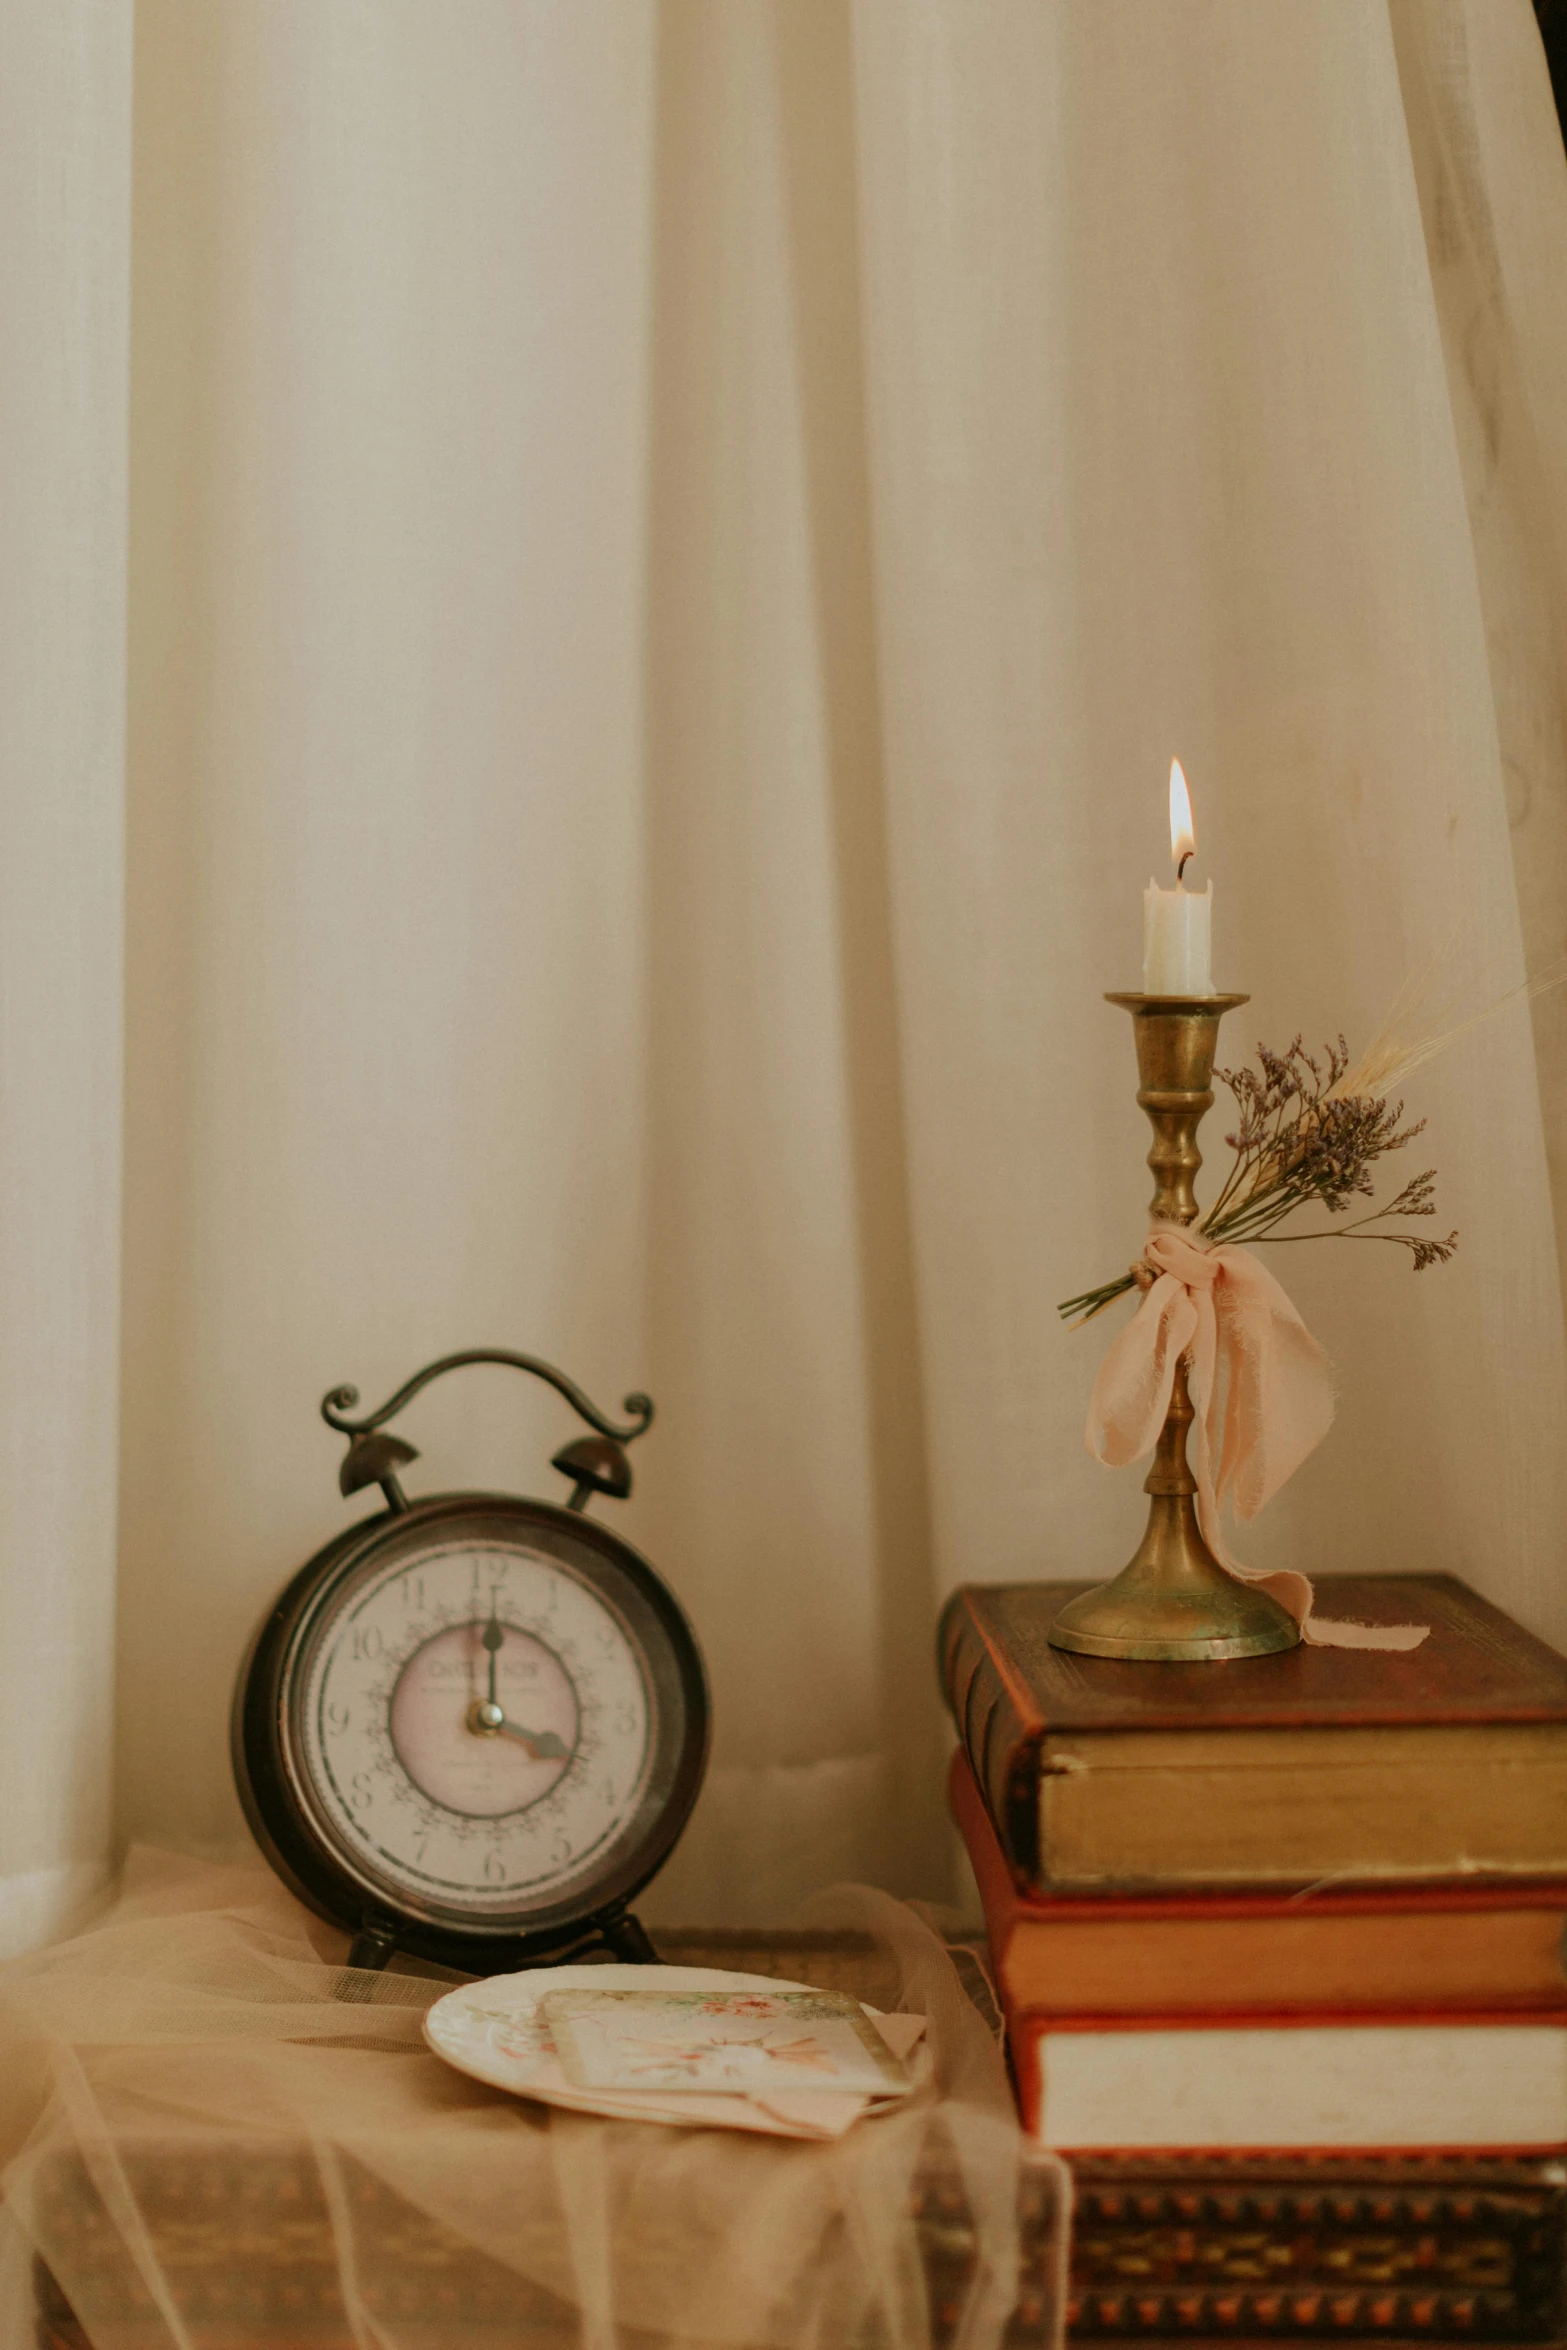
(1174, 1601)
(1140, 1615)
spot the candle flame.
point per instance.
(1183, 839)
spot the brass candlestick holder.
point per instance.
(1174, 1601)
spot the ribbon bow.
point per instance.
(1262, 1391)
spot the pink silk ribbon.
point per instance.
(1262, 1391)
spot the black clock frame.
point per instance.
(560, 1930)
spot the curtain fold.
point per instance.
(1491, 173)
(670, 545)
(790, 1496)
(385, 998)
(64, 290)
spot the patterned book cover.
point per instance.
(1345, 2248)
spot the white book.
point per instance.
(1375, 2084)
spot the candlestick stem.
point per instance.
(1173, 1600)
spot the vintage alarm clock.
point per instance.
(473, 1726)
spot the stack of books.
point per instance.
(1296, 1904)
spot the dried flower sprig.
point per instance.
(1309, 1136)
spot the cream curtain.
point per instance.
(669, 548)
(65, 79)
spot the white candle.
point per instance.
(1177, 923)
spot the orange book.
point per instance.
(1491, 1950)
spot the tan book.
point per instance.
(1449, 1760)
(1493, 1948)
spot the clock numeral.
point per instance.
(424, 1846)
(605, 1636)
(607, 1790)
(361, 1794)
(560, 1850)
(337, 1719)
(412, 1589)
(368, 1646)
(625, 1720)
(494, 1869)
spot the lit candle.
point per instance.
(1177, 923)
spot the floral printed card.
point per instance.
(746, 2042)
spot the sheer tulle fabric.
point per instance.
(203, 2042)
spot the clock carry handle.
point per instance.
(596, 1464)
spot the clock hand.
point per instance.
(487, 1718)
(543, 1745)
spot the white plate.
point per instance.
(491, 2031)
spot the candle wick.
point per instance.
(1180, 870)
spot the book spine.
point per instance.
(1000, 1901)
(1002, 1744)
(1024, 2033)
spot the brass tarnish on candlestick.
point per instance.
(1174, 1601)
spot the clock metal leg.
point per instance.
(373, 1945)
(627, 1938)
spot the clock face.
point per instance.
(405, 1759)
(487, 1715)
